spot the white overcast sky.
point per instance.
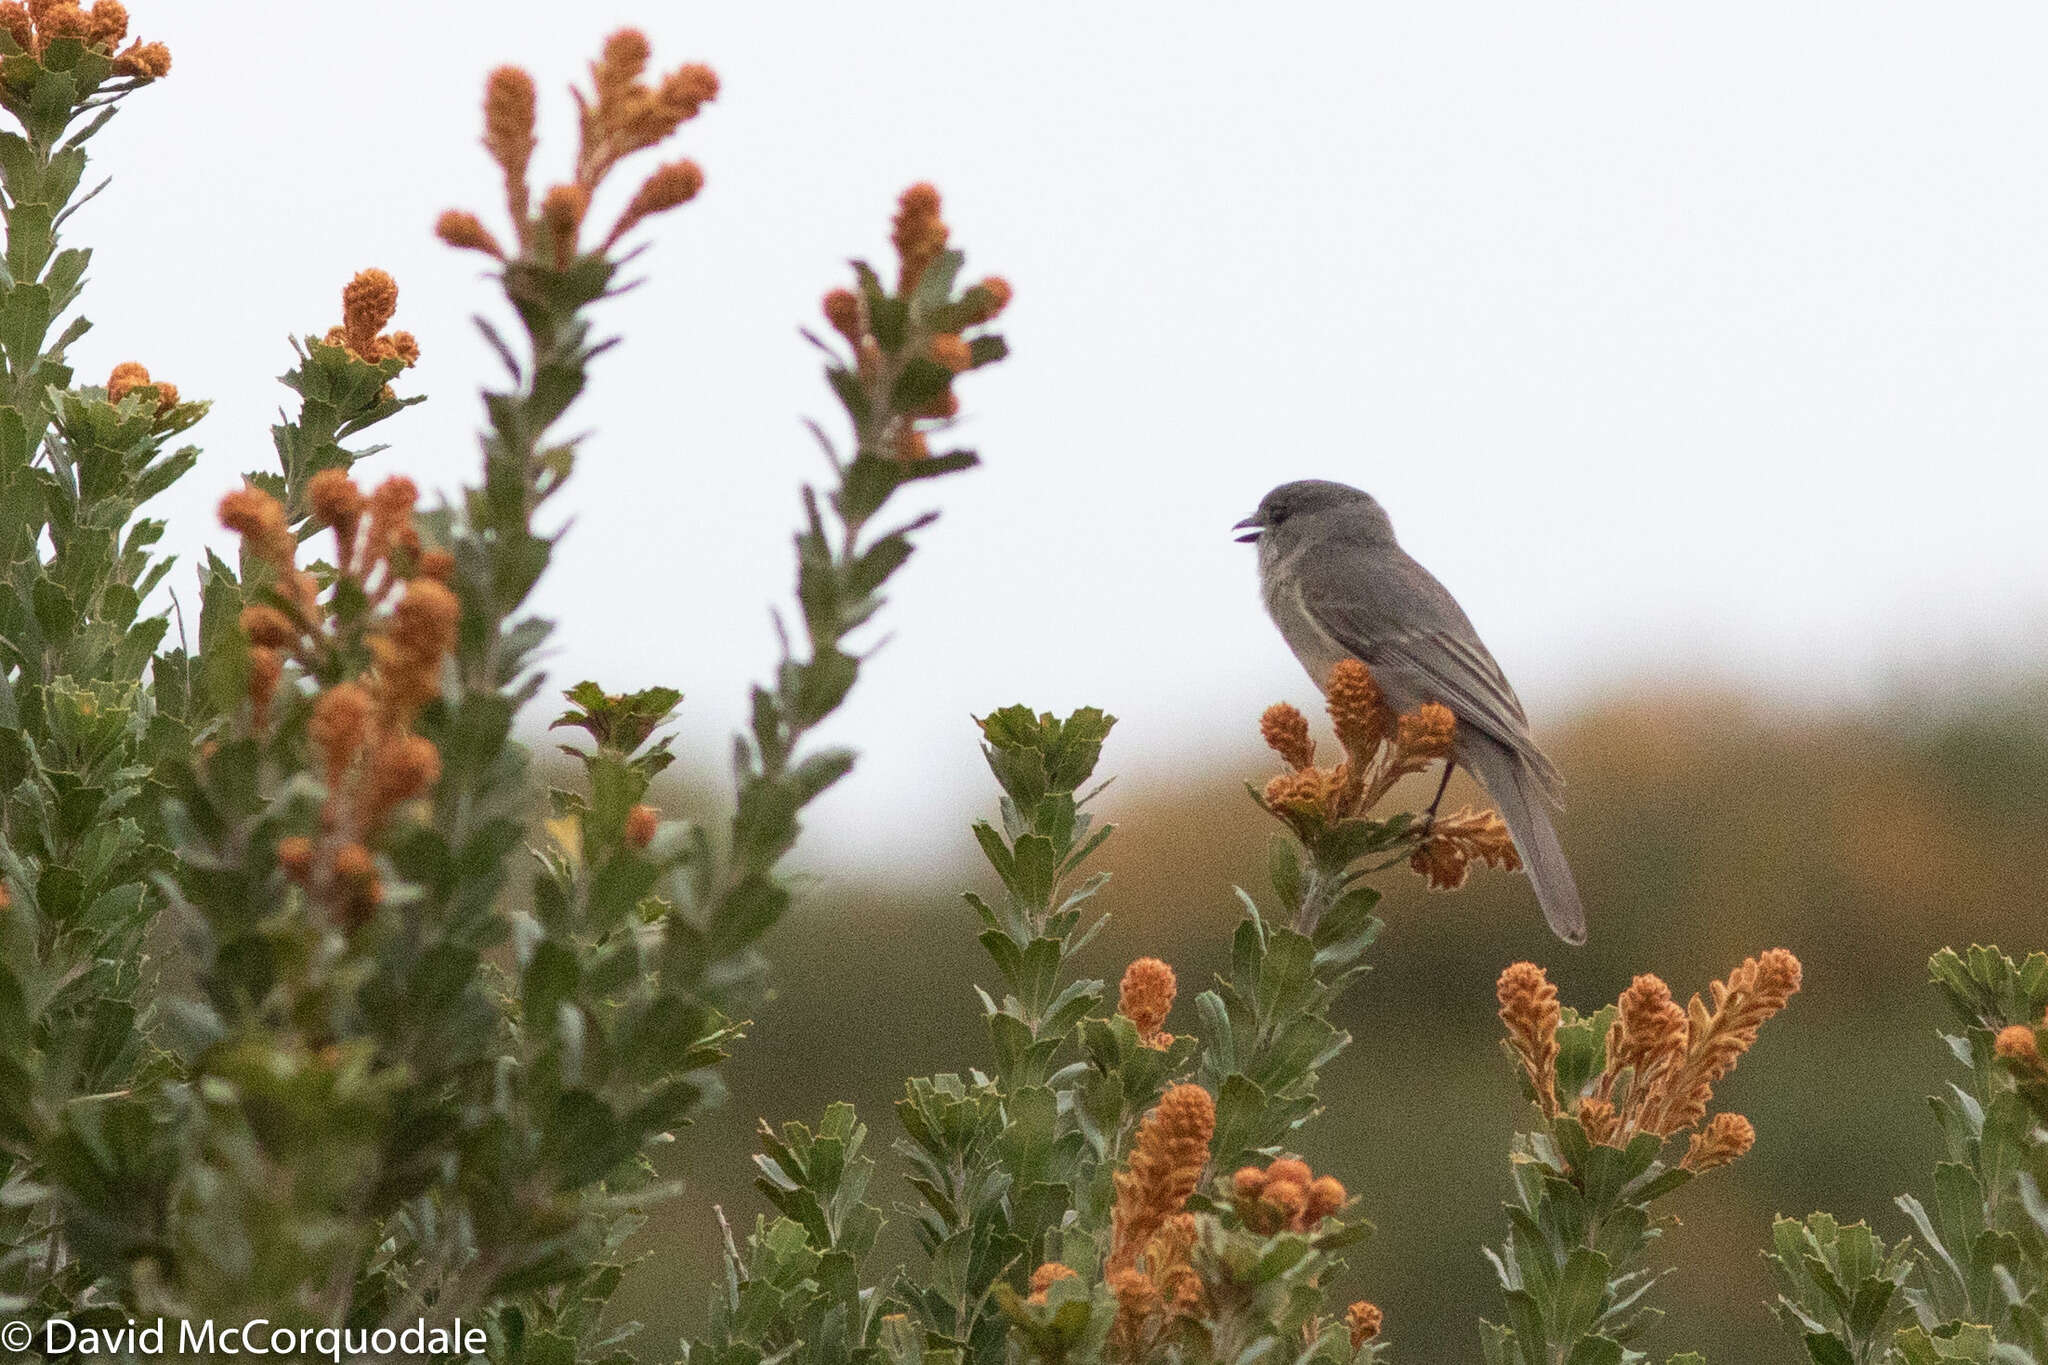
(1693, 343)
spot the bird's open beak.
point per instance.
(1252, 524)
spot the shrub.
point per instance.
(314, 1011)
(1971, 1281)
(373, 1085)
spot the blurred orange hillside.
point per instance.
(1703, 830)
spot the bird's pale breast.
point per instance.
(1281, 587)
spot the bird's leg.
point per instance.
(1429, 816)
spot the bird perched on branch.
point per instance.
(1339, 586)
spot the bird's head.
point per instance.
(1293, 507)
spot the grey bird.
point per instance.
(1339, 586)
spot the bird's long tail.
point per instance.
(1518, 795)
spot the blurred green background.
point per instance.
(1703, 829)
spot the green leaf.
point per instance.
(1866, 1310)
(1594, 1351)
(874, 566)
(548, 980)
(1824, 1348)
(819, 771)
(55, 615)
(1959, 1196)
(1037, 869)
(1581, 1290)
(1286, 870)
(1240, 1108)
(997, 852)
(1526, 1315)
(1581, 1049)
(822, 684)
(748, 911)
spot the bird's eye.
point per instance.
(1276, 516)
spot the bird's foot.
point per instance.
(1429, 816)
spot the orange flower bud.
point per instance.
(1146, 995)
(1285, 731)
(355, 879)
(127, 376)
(1166, 1163)
(842, 310)
(391, 504)
(402, 767)
(15, 21)
(1137, 1299)
(1326, 1195)
(341, 722)
(109, 23)
(985, 300)
(295, 856)
(150, 61)
(424, 619)
(1046, 1276)
(640, 825)
(918, 233)
(395, 494)
(1363, 1321)
(1358, 709)
(1286, 1197)
(1600, 1119)
(63, 21)
(352, 864)
(910, 445)
(368, 301)
(1529, 1009)
(1427, 731)
(621, 61)
(467, 232)
(1440, 863)
(670, 186)
(947, 404)
(1726, 1137)
(686, 89)
(266, 667)
(562, 209)
(336, 502)
(676, 183)
(509, 106)
(2019, 1045)
(269, 627)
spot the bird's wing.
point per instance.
(1401, 622)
